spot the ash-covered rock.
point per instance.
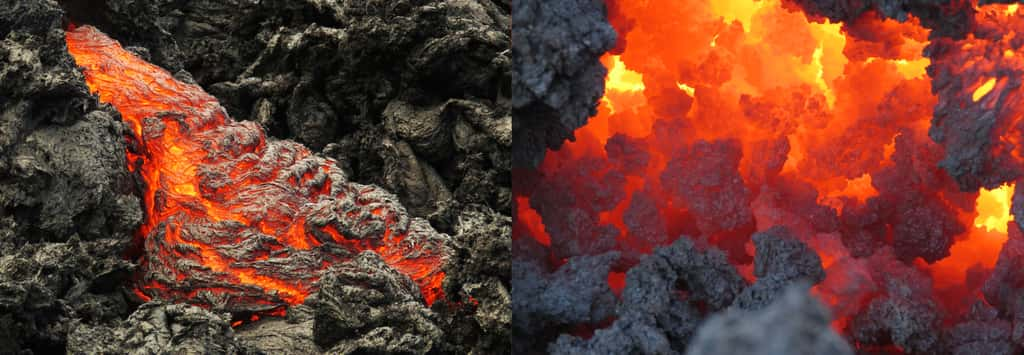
(365, 306)
(61, 155)
(794, 323)
(159, 328)
(558, 78)
(48, 288)
(291, 335)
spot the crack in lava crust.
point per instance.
(235, 221)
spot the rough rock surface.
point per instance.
(558, 77)
(576, 293)
(67, 204)
(652, 317)
(365, 306)
(780, 260)
(479, 274)
(981, 333)
(159, 328)
(902, 312)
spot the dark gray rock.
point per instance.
(652, 317)
(981, 333)
(68, 206)
(779, 261)
(577, 292)
(558, 78)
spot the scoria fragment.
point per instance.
(780, 261)
(653, 318)
(554, 90)
(978, 118)
(236, 221)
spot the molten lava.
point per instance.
(236, 221)
(722, 118)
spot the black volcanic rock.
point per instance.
(780, 260)
(68, 206)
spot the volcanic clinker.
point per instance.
(236, 221)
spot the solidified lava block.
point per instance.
(365, 306)
(781, 259)
(236, 221)
(652, 318)
(159, 328)
(555, 90)
(978, 118)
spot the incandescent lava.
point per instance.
(892, 153)
(234, 220)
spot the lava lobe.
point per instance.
(236, 221)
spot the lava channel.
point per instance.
(236, 221)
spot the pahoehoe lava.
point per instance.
(236, 221)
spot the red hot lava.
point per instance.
(236, 221)
(722, 118)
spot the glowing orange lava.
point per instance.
(833, 131)
(225, 206)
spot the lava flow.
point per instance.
(724, 118)
(235, 221)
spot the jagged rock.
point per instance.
(366, 306)
(558, 77)
(477, 281)
(652, 317)
(779, 261)
(159, 328)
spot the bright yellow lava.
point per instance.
(686, 88)
(984, 89)
(993, 208)
(622, 79)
